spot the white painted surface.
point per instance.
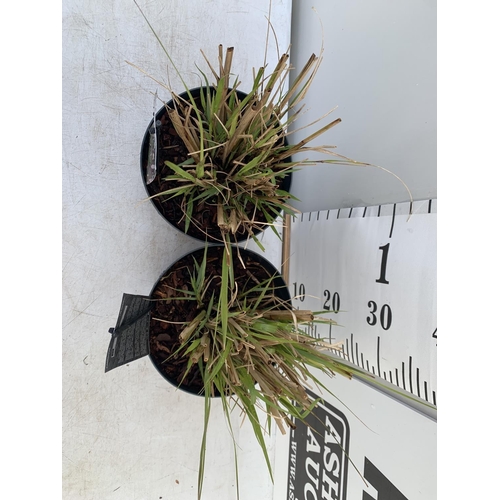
(128, 434)
(379, 68)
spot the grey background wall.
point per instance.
(379, 69)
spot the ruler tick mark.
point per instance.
(378, 355)
(393, 217)
(403, 374)
(409, 370)
(418, 382)
(352, 347)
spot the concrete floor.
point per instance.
(128, 434)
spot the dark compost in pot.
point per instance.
(164, 337)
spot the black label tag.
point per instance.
(318, 455)
(130, 337)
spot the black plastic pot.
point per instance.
(281, 291)
(287, 180)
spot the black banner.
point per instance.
(318, 455)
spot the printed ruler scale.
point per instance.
(372, 270)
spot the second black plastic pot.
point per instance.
(278, 283)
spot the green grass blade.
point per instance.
(180, 171)
(201, 471)
(223, 304)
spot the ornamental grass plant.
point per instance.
(239, 148)
(248, 345)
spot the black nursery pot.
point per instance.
(165, 367)
(174, 214)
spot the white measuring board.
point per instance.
(374, 270)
